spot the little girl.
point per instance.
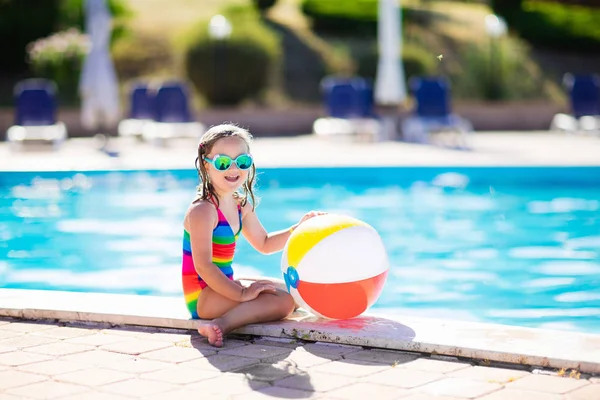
(224, 208)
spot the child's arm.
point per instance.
(202, 219)
(263, 241)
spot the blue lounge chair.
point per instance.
(349, 106)
(433, 113)
(35, 114)
(172, 117)
(584, 99)
(141, 111)
(341, 98)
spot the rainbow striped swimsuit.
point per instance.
(223, 250)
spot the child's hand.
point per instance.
(251, 292)
(310, 215)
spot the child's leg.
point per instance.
(265, 308)
(212, 305)
(278, 283)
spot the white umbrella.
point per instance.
(390, 88)
(98, 85)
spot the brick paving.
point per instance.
(40, 360)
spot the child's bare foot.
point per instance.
(213, 332)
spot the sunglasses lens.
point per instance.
(244, 161)
(222, 163)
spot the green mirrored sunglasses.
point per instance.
(222, 162)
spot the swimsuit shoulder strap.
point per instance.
(240, 218)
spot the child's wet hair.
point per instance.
(205, 190)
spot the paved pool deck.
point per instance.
(486, 149)
(49, 359)
(97, 346)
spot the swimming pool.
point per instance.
(507, 245)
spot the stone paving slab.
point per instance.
(265, 368)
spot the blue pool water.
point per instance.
(517, 246)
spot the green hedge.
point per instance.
(238, 68)
(553, 25)
(353, 17)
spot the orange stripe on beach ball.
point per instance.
(342, 300)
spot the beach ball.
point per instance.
(334, 266)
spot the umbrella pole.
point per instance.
(103, 138)
(389, 84)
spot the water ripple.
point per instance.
(563, 205)
(548, 282)
(577, 297)
(548, 252)
(545, 312)
(565, 268)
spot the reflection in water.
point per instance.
(551, 252)
(569, 268)
(563, 205)
(494, 252)
(451, 180)
(548, 282)
(577, 297)
(584, 242)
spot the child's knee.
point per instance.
(287, 302)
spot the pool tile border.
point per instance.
(469, 340)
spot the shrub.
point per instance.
(141, 54)
(59, 57)
(359, 16)
(511, 75)
(238, 68)
(416, 60)
(553, 25)
(353, 17)
(264, 5)
(561, 26)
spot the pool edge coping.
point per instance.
(460, 339)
